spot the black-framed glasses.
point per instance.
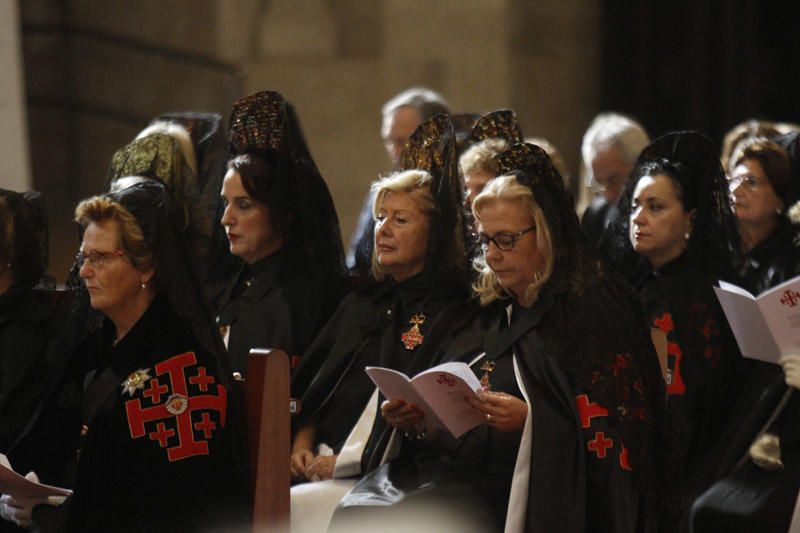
(504, 241)
(96, 259)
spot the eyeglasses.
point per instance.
(503, 240)
(96, 259)
(750, 182)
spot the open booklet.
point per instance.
(16, 485)
(440, 392)
(766, 326)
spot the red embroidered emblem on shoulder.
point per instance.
(178, 408)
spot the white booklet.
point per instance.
(440, 392)
(766, 326)
(16, 485)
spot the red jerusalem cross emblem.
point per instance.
(790, 298)
(174, 415)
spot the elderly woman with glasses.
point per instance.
(156, 446)
(572, 394)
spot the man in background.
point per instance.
(610, 148)
(401, 116)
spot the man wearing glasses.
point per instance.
(610, 148)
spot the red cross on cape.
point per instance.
(177, 409)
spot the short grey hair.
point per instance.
(426, 102)
(613, 130)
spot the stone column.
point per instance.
(14, 157)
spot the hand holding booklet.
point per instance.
(441, 392)
(766, 326)
(18, 486)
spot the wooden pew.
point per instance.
(269, 437)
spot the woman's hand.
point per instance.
(321, 468)
(300, 462)
(501, 411)
(406, 417)
(791, 370)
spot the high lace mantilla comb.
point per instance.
(432, 148)
(530, 159)
(156, 156)
(500, 124)
(258, 122)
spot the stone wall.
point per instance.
(97, 71)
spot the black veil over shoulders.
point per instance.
(30, 236)
(692, 159)
(594, 326)
(265, 125)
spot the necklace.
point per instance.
(413, 337)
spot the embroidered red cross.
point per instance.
(206, 425)
(790, 298)
(162, 434)
(155, 391)
(588, 410)
(187, 446)
(201, 379)
(665, 323)
(600, 444)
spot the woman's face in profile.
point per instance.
(250, 232)
(658, 222)
(111, 279)
(401, 236)
(518, 267)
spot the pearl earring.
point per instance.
(144, 286)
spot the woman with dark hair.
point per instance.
(758, 471)
(281, 223)
(675, 238)
(403, 319)
(762, 190)
(34, 332)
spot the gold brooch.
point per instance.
(413, 337)
(488, 368)
(136, 380)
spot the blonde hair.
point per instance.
(417, 184)
(487, 287)
(555, 156)
(480, 156)
(132, 241)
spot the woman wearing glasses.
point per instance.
(762, 190)
(156, 447)
(759, 468)
(572, 404)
